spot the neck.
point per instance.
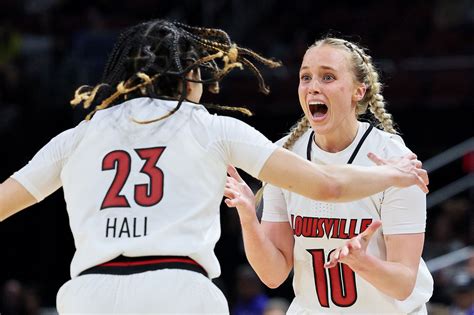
(338, 140)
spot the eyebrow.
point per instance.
(324, 67)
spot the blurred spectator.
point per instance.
(462, 294)
(276, 306)
(32, 301)
(12, 298)
(251, 298)
(20, 299)
(449, 229)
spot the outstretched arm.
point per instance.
(340, 183)
(13, 198)
(264, 242)
(401, 266)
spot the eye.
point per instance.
(305, 77)
(328, 77)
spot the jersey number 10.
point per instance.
(341, 281)
(145, 195)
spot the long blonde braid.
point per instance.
(294, 134)
(375, 100)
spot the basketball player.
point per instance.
(143, 180)
(343, 260)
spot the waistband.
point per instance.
(130, 265)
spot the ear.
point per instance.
(359, 92)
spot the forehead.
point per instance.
(326, 56)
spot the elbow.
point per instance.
(331, 191)
(402, 296)
(271, 283)
(405, 291)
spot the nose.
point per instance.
(314, 87)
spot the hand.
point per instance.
(239, 195)
(354, 250)
(407, 170)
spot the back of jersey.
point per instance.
(144, 189)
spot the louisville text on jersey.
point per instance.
(328, 227)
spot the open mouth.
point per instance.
(318, 110)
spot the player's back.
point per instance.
(138, 189)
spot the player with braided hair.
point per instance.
(336, 268)
(143, 175)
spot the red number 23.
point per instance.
(145, 195)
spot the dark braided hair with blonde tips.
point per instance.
(154, 58)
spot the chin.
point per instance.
(321, 129)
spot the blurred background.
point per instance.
(423, 49)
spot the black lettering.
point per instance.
(108, 226)
(145, 223)
(135, 228)
(124, 228)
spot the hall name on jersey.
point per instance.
(328, 227)
(126, 227)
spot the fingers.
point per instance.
(411, 156)
(371, 229)
(421, 183)
(424, 176)
(333, 260)
(418, 164)
(232, 197)
(376, 159)
(353, 249)
(231, 203)
(231, 193)
(344, 252)
(232, 171)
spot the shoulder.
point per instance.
(75, 133)
(214, 121)
(388, 143)
(214, 128)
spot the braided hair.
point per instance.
(364, 72)
(154, 59)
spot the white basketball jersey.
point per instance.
(145, 189)
(321, 227)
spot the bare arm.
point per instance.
(268, 245)
(401, 267)
(269, 250)
(13, 198)
(340, 183)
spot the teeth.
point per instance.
(316, 103)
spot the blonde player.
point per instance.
(143, 180)
(359, 257)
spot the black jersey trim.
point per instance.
(130, 265)
(354, 154)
